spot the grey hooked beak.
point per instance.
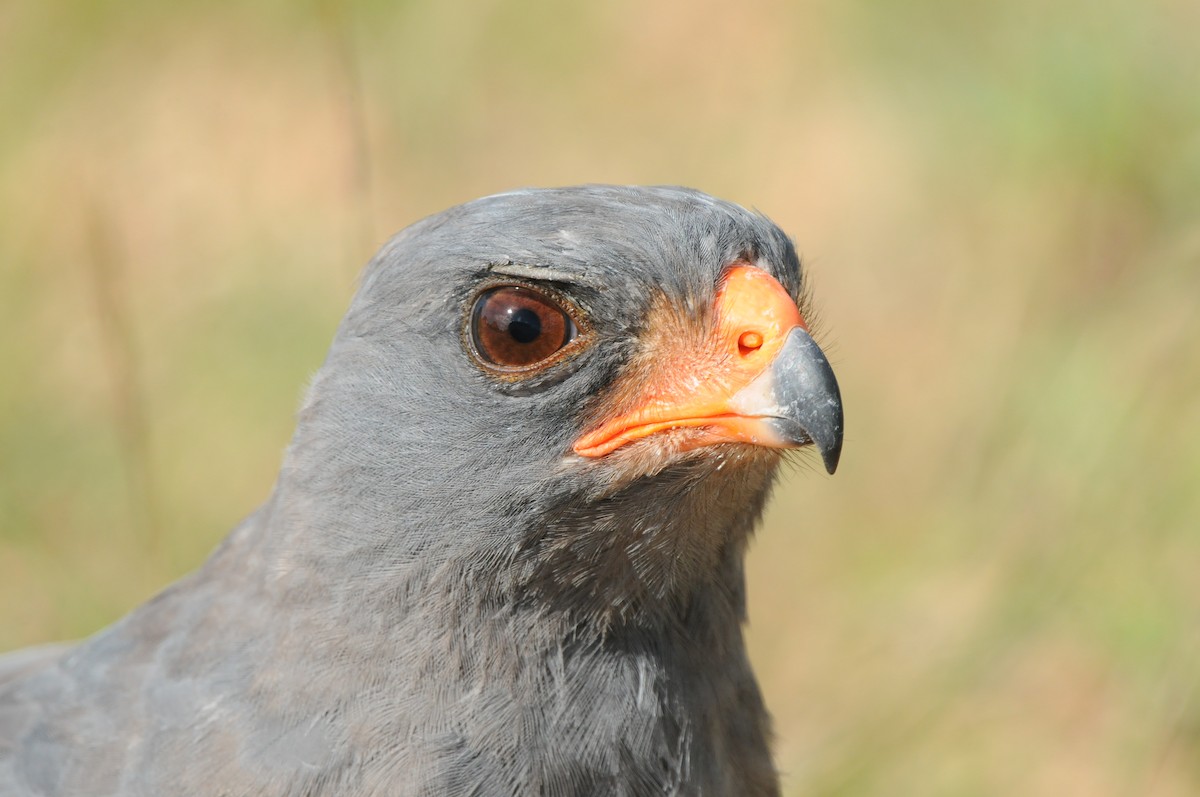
(798, 399)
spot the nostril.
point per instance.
(749, 342)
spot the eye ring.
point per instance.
(515, 330)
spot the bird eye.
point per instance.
(515, 327)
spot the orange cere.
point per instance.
(688, 377)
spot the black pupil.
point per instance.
(524, 325)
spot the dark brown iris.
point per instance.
(515, 327)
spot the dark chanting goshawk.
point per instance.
(503, 555)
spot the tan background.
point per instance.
(999, 203)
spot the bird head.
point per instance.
(583, 393)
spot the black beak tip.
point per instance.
(824, 432)
(831, 455)
(826, 438)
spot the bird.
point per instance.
(504, 552)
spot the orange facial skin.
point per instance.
(691, 383)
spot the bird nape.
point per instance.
(504, 553)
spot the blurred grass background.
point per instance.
(998, 202)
